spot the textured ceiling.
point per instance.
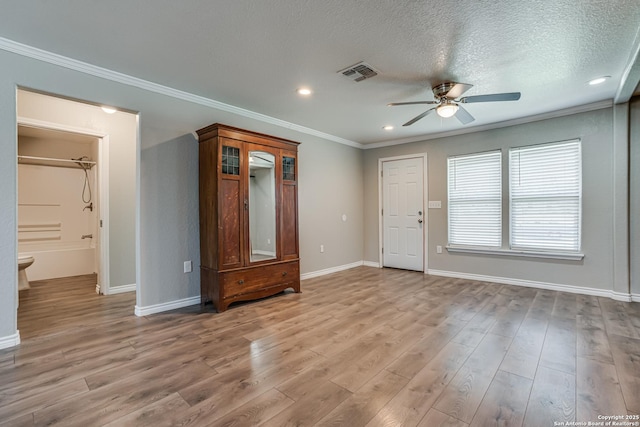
(254, 54)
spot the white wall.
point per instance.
(595, 272)
(52, 220)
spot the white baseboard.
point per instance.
(330, 270)
(371, 264)
(166, 306)
(10, 341)
(121, 289)
(618, 296)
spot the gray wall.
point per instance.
(634, 191)
(330, 183)
(593, 128)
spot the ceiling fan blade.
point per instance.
(458, 90)
(394, 104)
(512, 96)
(415, 119)
(464, 116)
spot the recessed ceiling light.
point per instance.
(599, 80)
(108, 110)
(387, 127)
(304, 91)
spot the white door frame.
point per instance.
(425, 229)
(103, 194)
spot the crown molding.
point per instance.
(520, 121)
(114, 76)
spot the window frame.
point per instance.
(543, 248)
(499, 199)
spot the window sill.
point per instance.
(518, 253)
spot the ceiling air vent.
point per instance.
(359, 72)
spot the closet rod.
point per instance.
(55, 160)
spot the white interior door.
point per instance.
(403, 214)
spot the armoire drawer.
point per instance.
(254, 279)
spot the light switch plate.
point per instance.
(435, 204)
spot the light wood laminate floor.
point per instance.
(363, 347)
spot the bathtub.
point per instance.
(54, 256)
(60, 262)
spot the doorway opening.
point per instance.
(69, 216)
(403, 220)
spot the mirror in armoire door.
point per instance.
(262, 206)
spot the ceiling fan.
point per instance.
(447, 98)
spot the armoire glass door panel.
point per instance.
(262, 206)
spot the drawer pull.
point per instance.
(240, 282)
(284, 273)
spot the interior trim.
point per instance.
(10, 341)
(518, 253)
(122, 289)
(166, 306)
(94, 70)
(539, 285)
(325, 271)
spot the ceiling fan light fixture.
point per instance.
(387, 127)
(447, 110)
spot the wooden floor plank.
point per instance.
(412, 403)
(598, 390)
(463, 395)
(559, 349)
(435, 418)
(365, 346)
(308, 410)
(256, 411)
(626, 354)
(505, 402)
(364, 404)
(552, 400)
(524, 352)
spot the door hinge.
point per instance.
(382, 212)
(100, 223)
(381, 173)
(383, 250)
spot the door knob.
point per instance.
(420, 221)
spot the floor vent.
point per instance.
(359, 72)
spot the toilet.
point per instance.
(24, 261)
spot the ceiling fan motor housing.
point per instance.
(441, 90)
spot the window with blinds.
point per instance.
(545, 184)
(475, 199)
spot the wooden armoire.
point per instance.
(248, 215)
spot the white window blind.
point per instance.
(545, 197)
(475, 199)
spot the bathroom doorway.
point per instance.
(62, 177)
(92, 153)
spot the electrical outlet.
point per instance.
(321, 248)
(188, 267)
(438, 249)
